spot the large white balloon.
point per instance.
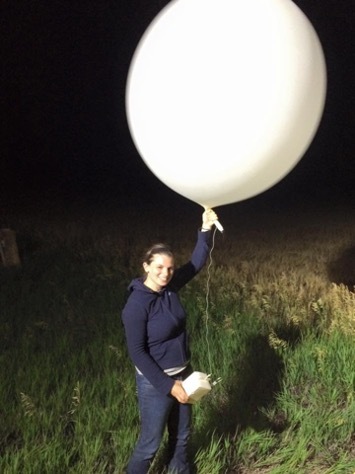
(224, 97)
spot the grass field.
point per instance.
(273, 315)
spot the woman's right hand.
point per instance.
(178, 392)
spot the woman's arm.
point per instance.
(134, 317)
(199, 255)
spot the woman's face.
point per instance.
(159, 271)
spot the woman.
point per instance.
(155, 326)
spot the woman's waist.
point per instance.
(172, 370)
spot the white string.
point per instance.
(207, 300)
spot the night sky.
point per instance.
(64, 130)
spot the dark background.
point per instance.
(64, 130)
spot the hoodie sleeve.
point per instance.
(197, 261)
(134, 317)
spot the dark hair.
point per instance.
(160, 249)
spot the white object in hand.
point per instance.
(219, 226)
(196, 386)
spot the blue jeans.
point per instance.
(156, 412)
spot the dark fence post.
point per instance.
(9, 253)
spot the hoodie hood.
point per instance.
(137, 284)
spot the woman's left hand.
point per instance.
(178, 392)
(208, 219)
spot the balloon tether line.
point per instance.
(207, 301)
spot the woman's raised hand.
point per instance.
(209, 217)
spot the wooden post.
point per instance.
(8, 248)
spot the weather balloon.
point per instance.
(224, 97)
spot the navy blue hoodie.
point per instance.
(155, 322)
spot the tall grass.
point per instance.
(277, 327)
